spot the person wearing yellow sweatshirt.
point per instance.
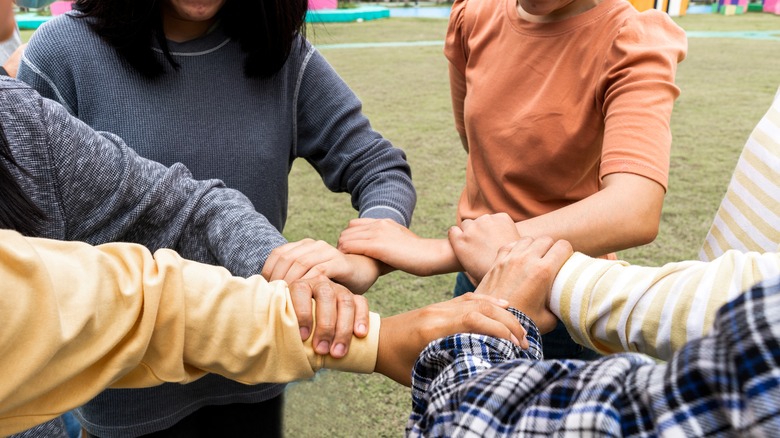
(79, 318)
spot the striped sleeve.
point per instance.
(611, 306)
(748, 218)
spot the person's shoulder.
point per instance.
(70, 23)
(61, 38)
(652, 22)
(644, 30)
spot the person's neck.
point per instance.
(179, 31)
(572, 9)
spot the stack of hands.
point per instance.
(510, 271)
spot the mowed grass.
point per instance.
(726, 84)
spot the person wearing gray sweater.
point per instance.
(234, 91)
(63, 180)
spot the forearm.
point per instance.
(337, 139)
(225, 229)
(624, 214)
(610, 306)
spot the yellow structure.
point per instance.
(675, 8)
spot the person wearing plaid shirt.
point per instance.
(725, 383)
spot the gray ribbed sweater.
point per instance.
(210, 117)
(221, 125)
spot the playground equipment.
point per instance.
(730, 7)
(33, 4)
(674, 8)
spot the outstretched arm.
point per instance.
(611, 306)
(78, 318)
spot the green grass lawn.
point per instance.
(727, 85)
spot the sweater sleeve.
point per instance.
(338, 140)
(611, 306)
(78, 318)
(109, 193)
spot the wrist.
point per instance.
(446, 261)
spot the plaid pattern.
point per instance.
(724, 384)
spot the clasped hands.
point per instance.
(520, 274)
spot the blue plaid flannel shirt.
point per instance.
(724, 384)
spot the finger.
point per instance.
(304, 257)
(361, 316)
(327, 311)
(345, 324)
(471, 296)
(454, 232)
(301, 294)
(363, 242)
(360, 221)
(278, 262)
(495, 321)
(540, 246)
(560, 252)
(505, 250)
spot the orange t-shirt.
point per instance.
(550, 109)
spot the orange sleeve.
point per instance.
(456, 51)
(639, 94)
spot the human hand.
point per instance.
(398, 247)
(477, 242)
(11, 65)
(403, 337)
(523, 274)
(340, 313)
(308, 258)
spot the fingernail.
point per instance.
(339, 350)
(305, 333)
(323, 347)
(515, 340)
(361, 328)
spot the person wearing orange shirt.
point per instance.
(563, 107)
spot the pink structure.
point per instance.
(59, 8)
(322, 4)
(772, 6)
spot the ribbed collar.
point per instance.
(558, 27)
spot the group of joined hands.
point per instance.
(510, 270)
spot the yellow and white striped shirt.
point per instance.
(748, 218)
(611, 306)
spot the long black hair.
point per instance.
(17, 211)
(265, 29)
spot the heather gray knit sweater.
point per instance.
(222, 125)
(93, 188)
(208, 116)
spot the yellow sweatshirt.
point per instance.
(78, 319)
